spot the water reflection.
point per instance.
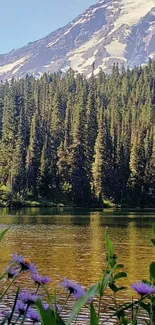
(63, 243)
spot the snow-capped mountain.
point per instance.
(110, 31)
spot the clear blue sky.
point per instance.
(23, 21)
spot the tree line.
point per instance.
(79, 141)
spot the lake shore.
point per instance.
(47, 204)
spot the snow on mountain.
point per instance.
(132, 11)
(110, 31)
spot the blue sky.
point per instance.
(23, 21)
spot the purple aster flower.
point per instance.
(27, 297)
(33, 315)
(75, 289)
(56, 307)
(25, 264)
(143, 288)
(16, 258)
(38, 279)
(45, 306)
(12, 272)
(21, 307)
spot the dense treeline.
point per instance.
(79, 141)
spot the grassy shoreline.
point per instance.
(47, 204)
(43, 203)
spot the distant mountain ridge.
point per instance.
(110, 31)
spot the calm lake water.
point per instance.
(70, 242)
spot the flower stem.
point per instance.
(37, 288)
(99, 306)
(6, 290)
(24, 316)
(16, 320)
(76, 319)
(65, 302)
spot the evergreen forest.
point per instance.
(83, 142)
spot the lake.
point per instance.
(67, 242)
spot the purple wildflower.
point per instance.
(27, 297)
(24, 263)
(13, 272)
(38, 279)
(45, 306)
(56, 307)
(143, 288)
(75, 289)
(33, 315)
(21, 307)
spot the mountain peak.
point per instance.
(109, 31)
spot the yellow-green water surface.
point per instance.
(70, 243)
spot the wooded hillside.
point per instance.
(79, 141)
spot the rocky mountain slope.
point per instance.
(110, 31)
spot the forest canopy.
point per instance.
(79, 141)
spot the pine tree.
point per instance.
(48, 174)
(56, 119)
(91, 126)
(101, 166)
(137, 168)
(33, 155)
(8, 139)
(18, 173)
(70, 138)
(78, 170)
(150, 170)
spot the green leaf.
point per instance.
(114, 288)
(2, 234)
(106, 279)
(153, 300)
(60, 321)
(93, 317)
(134, 322)
(153, 241)
(146, 281)
(120, 275)
(82, 301)
(120, 314)
(104, 283)
(124, 321)
(153, 227)
(119, 266)
(121, 288)
(152, 270)
(49, 297)
(145, 306)
(48, 316)
(109, 246)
